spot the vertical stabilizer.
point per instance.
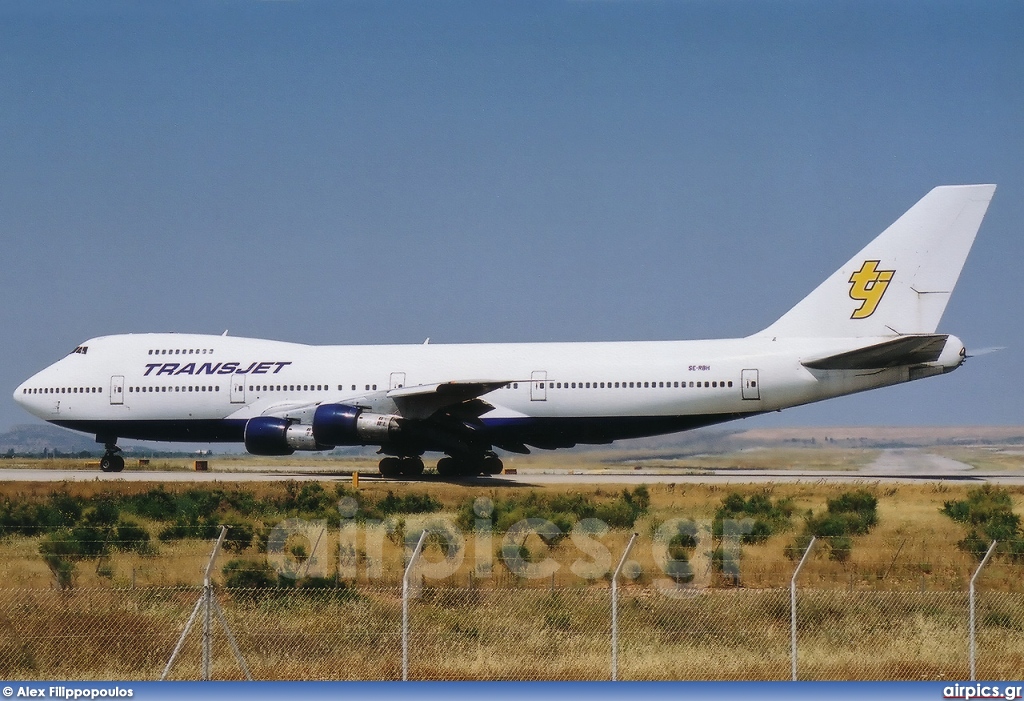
(901, 282)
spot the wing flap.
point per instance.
(905, 350)
(423, 401)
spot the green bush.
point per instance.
(157, 504)
(60, 551)
(411, 503)
(564, 510)
(849, 514)
(240, 535)
(131, 536)
(761, 516)
(249, 574)
(988, 511)
(20, 517)
(200, 529)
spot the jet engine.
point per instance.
(342, 424)
(270, 435)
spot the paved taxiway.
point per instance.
(891, 466)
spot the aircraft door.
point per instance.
(238, 389)
(117, 389)
(748, 381)
(397, 380)
(539, 386)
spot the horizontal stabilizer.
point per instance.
(906, 350)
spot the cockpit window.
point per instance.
(81, 350)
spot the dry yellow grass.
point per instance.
(913, 546)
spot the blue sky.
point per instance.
(366, 172)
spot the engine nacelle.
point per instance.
(270, 435)
(341, 424)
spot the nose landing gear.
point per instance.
(111, 461)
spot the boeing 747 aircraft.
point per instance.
(871, 324)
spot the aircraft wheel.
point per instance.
(447, 467)
(412, 467)
(111, 463)
(389, 467)
(493, 465)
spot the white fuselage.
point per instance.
(154, 386)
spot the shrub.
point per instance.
(131, 537)
(411, 503)
(157, 504)
(564, 510)
(59, 551)
(249, 574)
(988, 511)
(240, 535)
(762, 517)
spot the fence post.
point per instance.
(615, 608)
(208, 614)
(792, 608)
(405, 605)
(973, 643)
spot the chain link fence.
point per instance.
(511, 634)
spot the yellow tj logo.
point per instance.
(867, 286)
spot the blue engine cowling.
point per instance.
(342, 424)
(270, 435)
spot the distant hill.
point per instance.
(34, 438)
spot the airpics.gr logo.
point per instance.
(867, 286)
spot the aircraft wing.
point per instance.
(423, 401)
(905, 350)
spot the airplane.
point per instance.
(871, 324)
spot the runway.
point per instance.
(909, 465)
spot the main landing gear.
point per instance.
(486, 464)
(111, 461)
(407, 467)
